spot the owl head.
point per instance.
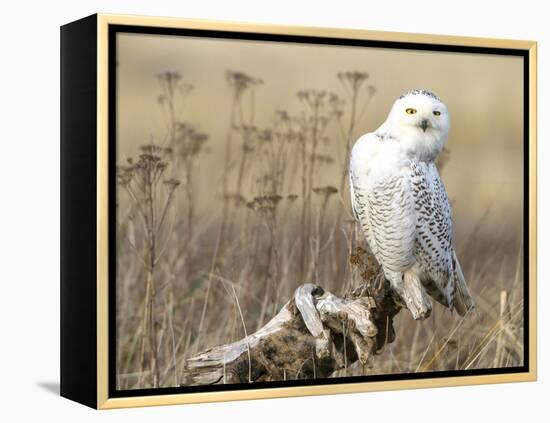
(420, 119)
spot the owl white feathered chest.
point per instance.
(401, 204)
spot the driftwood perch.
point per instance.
(315, 334)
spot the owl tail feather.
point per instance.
(417, 300)
(463, 301)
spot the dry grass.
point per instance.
(186, 282)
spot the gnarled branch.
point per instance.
(315, 334)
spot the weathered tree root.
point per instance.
(315, 334)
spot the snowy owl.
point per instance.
(400, 202)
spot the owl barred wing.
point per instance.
(385, 211)
(359, 202)
(434, 252)
(391, 210)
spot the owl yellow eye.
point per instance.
(410, 111)
(437, 112)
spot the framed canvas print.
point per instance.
(255, 211)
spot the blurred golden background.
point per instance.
(484, 94)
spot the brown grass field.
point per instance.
(190, 278)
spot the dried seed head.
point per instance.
(240, 81)
(325, 192)
(353, 79)
(265, 135)
(282, 115)
(322, 159)
(188, 142)
(125, 174)
(265, 203)
(172, 183)
(150, 149)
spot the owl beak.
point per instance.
(424, 124)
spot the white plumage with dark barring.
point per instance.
(401, 205)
